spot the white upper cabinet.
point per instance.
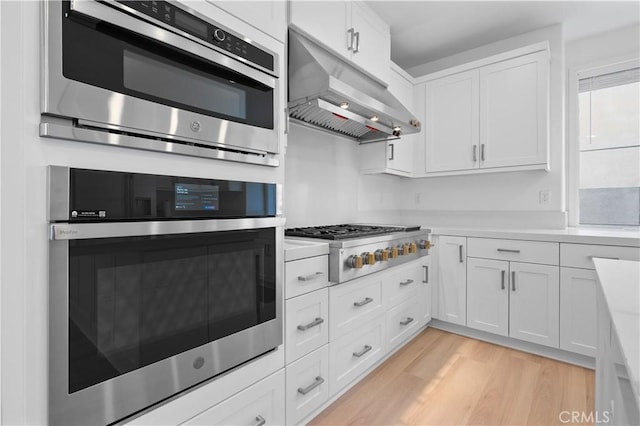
(513, 108)
(350, 29)
(269, 16)
(488, 118)
(451, 128)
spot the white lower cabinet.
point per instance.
(262, 403)
(353, 353)
(306, 323)
(488, 295)
(452, 279)
(307, 384)
(402, 321)
(577, 310)
(426, 289)
(354, 303)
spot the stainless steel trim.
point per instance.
(310, 277)
(312, 324)
(475, 153)
(426, 274)
(356, 35)
(58, 194)
(508, 251)
(350, 32)
(261, 420)
(407, 282)
(364, 350)
(392, 152)
(460, 250)
(603, 257)
(502, 273)
(482, 152)
(79, 231)
(363, 302)
(319, 380)
(408, 321)
(513, 280)
(67, 131)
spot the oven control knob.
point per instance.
(413, 248)
(219, 35)
(394, 252)
(382, 255)
(369, 258)
(425, 244)
(355, 261)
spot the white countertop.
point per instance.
(295, 249)
(604, 236)
(620, 281)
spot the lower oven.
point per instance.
(157, 283)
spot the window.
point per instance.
(609, 148)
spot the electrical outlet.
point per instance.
(545, 197)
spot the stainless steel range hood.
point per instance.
(321, 85)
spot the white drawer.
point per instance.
(354, 353)
(402, 321)
(263, 400)
(402, 285)
(352, 304)
(305, 275)
(579, 255)
(514, 250)
(307, 384)
(306, 323)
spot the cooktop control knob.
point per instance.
(369, 258)
(355, 261)
(425, 244)
(403, 249)
(219, 35)
(413, 248)
(394, 252)
(382, 255)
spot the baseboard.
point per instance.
(509, 342)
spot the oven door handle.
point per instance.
(80, 231)
(114, 14)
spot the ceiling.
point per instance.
(424, 31)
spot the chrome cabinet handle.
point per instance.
(460, 250)
(319, 380)
(407, 282)
(508, 251)
(357, 37)
(426, 274)
(261, 421)
(312, 324)
(513, 280)
(350, 33)
(392, 152)
(363, 302)
(475, 153)
(502, 273)
(364, 350)
(409, 320)
(482, 152)
(310, 277)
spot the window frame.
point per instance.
(573, 130)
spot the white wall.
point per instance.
(497, 199)
(24, 159)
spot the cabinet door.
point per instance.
(307, 384)
(578, 310)
(513, 111)
(451, 129)
(400, 155)
(452, 281)
(425, 290)
(534, 303)
(269, 16)
(488, 295)
(372, 44)
(306, 323)
(325, 22)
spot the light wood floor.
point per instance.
(446, 379)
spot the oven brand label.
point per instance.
(89, 213)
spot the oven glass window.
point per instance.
(137, 300)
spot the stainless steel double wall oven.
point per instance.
(157, 75)
(157, 283)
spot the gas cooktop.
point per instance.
(345, 231)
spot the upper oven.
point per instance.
(157, 75)
(156, 283)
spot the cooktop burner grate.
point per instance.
(340, 232)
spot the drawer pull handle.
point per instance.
(508, 251)
(310, 277)
(312, 324)
(513, 280)
(426, 274)
(603, 257)
(407, 282)
(364, 350)
(502, 273)
(261, 421)
(319, 380)
(408, 321)
(363, 302)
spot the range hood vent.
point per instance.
(327, 92)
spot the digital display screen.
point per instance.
(189, 23)
(193, 197)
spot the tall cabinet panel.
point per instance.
(451, 130)
(452, 279)
(488, 295)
